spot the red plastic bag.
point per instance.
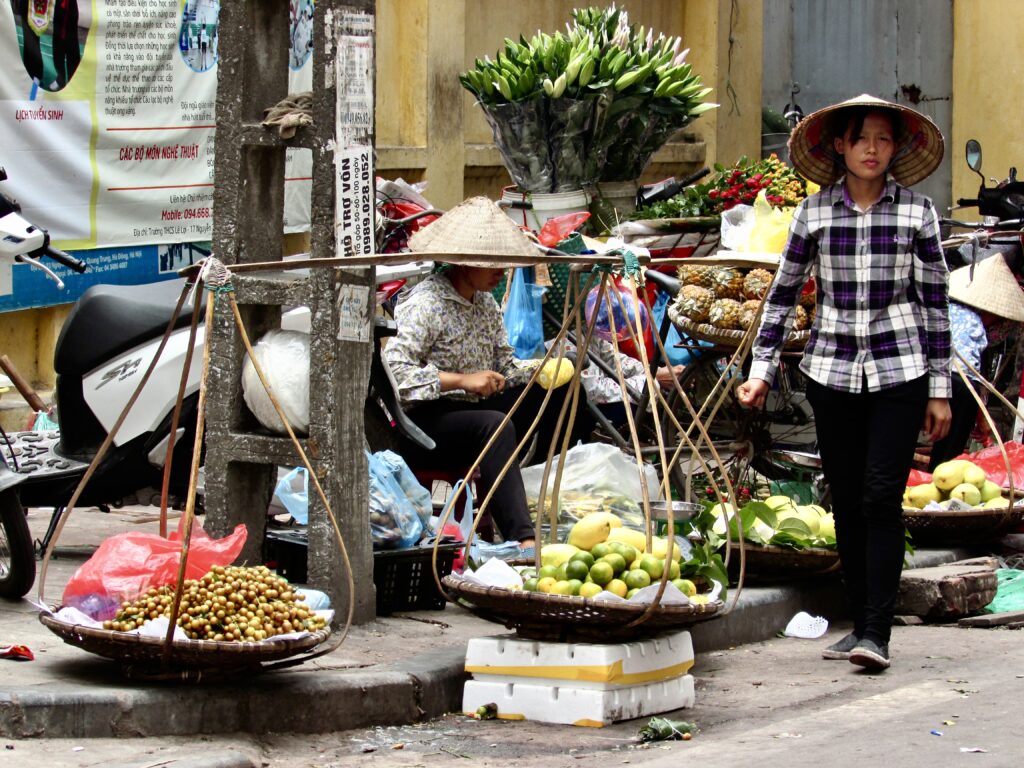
(128, 564)
(555, 230)
(989, 459)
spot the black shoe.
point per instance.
(870, 655)
(840, 651)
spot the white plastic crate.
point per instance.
(581, 665)
(570, 705)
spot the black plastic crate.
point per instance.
(403, 578)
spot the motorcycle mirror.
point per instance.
(3, 175)
(974, 157)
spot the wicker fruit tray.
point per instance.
(562, 618)
(146, 655)
(782, 561)
(724, 337)
(956, 527)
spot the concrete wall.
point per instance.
(988, 67)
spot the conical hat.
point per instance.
(988, 285)
(812, 153)
(476, 227)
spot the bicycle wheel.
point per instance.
(17, 560)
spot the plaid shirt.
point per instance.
(882, 311)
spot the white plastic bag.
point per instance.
(596, 470)
(284, 358)
(737, 225)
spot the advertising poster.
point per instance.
(107, 124)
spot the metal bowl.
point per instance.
(681, 510)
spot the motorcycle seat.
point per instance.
(109, 320)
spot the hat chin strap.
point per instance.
(904, 151)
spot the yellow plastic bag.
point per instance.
(771, 227)
(555, 373)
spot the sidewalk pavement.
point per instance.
(395, 670)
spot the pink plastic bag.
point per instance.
(128, 564)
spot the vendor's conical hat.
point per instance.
(475, 227)
(812, 151)
(990, 286)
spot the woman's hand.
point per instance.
(483, 383)
(937, 418)
(665, 376)
(752, 393)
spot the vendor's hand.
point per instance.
(752, 393)
(483, 383)
(665, 376)
(937, 418)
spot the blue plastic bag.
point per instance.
(676, 355)
(524, 319)
(417, 495)
(293, 492)
(394, 522)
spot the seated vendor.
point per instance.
(456, 373)
(985, 301)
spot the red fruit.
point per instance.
(713, 194)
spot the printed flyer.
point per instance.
(107, 121)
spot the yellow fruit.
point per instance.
(575, 585)
(779, 503)
(576, 569)
(723, 514)
(630, 593)
(635, 539)
(685, 586)
(547, 570)
(563, 588)
(556, 554)
(591, 530)
(613, 520)
(615, 560)
(637, 579)
(617, 587)
(975, 475)
(673, 569)
(602, 573)
(698, 599)
(990, 491)
(948, 475)
(546, 585)
(827, 526)
(652, 565)
(996, 503)
(590, 590)
(920, 495)
(810, 518)
(600, 550)
(584, 557)
(530, 585)
(967, 493)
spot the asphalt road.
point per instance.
(771, 704)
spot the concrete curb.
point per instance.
(295, 702)
(220, 759)
(322, 699)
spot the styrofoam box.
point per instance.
(582, 665)
(570, 705)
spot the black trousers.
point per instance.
(461, 430)
(965, 413)
(866, 441)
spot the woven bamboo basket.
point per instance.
(775, 561)
(795, 341)
(562, 618)
(148, 653)
(970, 525)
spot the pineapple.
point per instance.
(694, 302)
(756, 283)
(748, 311)
(803, 319)
(725, 314)
(690, 274)
(727, 283)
